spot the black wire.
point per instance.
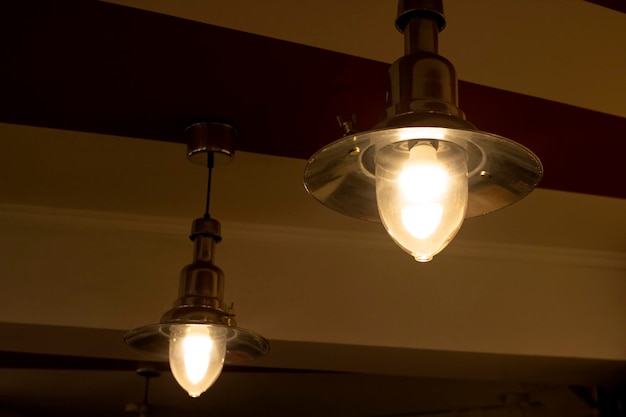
(145, 391)
(210, 164)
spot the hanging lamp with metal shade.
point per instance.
(423, 168)
(199, 334)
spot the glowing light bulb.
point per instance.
(197, 356)
(421, 194)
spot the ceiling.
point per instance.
(522, 310)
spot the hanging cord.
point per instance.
(210, 164)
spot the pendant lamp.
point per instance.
(199, 334)
(424, 168)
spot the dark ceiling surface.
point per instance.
(617, 5)
(97, 67)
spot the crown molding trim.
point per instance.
(366, 241)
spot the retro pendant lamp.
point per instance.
(424, 168)
(199, 333)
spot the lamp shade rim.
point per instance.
(241, 344)
(342, 174)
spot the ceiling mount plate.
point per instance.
(210, 138)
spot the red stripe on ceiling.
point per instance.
(617, 5)
(581, 150)
(99, 67)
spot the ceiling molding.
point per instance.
(289, 235)
(90, 345)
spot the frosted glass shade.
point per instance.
(421, 193)
(197, 355)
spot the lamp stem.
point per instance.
(146, 390)
(210, 164)
(421, 34)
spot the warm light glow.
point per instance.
(422, 220)
(409, 133)
(197, 355)
(421, 194)
(422, 182)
